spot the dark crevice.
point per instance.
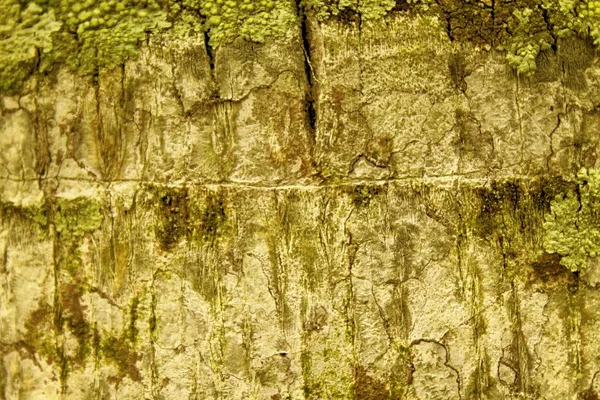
(493, 17)
(100, 134)
(310, 95)
(401, 5)
(446, 362)
(446, 15)
(550, 27)
(449, 28)
(210, 52)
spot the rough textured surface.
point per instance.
(349, 212)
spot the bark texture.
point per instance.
(346, 213)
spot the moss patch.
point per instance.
(76, 217)
(25, 33)
(572, 228)
(248, 19)
(104, 33)
(367, 10)
(36, 214)
(173, 216)
(212, 218)
(362, 195)
(120, 352)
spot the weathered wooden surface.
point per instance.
(364, 223)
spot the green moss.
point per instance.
(104, 33)
(539, 25)
(248, 19)
(120, 352)
(35, 213)
(572, 227)
(368, 10)
(25, 32)
(76, 217)
(363, 194)
(186, 25)
(173, 216)
(92, 34)
(85, 35)
(212, 218)
(530, 35)
(133, 316)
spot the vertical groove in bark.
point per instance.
(574, 309)
(519, 351)
(311, 79)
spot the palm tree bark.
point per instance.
(349, 212)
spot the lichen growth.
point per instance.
(104, 33)
(86, 35)
(368, 10)
(173, 216)
(76, 217)
(252, 20)
(24, 33)
(529, 36)
(572, 227)
(570, 17)
(538, 28)
(92, 34)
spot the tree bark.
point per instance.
(348, 212)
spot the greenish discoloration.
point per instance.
(362, 195)
(211, 236)
(173, 216)
(25, 31)
(571, 228)
(512, 208)
(547, 269)
(76, 217)
(70, 257)
(401, 376)
(121, 353)
(104, 33)
(73, 316)
(530, 35)
(133, 316)
(39, 332)
(248, 19)
(367, 10)
(37, 214)
(368, 387)
(499, 197)
(457, 66)
(88, 35)
(211, 219)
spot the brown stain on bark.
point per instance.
(366, 387)
(173, 216)
(120, 352)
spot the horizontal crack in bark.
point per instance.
(451, 179)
